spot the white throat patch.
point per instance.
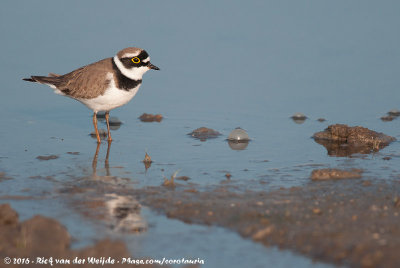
(134, 73)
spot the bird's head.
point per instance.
(133, 62)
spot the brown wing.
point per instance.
(86, 82)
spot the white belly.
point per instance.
(112, 98)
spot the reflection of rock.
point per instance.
(333, 173)
(47, 157)
(204, 133)
(151, 117)
(45, 237)
(115, 123)
(342, 140)
(235, 145)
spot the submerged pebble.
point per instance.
(299, 118)
(238, 135)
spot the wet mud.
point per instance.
(21, 239)
(333, 173)
(342, 140)
(348, 222)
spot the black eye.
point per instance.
(135, 60)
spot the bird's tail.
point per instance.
(52, 79)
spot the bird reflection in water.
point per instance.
(108, 199)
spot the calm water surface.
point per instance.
(223, 65)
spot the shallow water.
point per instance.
(252, 67)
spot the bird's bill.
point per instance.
(151, 66)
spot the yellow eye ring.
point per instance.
(135, 60)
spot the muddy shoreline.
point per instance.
(351, 222)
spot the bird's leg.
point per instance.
(108, 126)
(95, 127)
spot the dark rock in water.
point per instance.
(342, 140)
(204, 133)
(299, 118)
(182, 178)
(151, 117)
(47, 157)
(333, 173)
(388, 118)
(394, 112)
(321, 120)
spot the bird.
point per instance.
(103, 85)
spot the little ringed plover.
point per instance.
(103, 85)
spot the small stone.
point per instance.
(263, 233)
(204, 133)
(238, 135)
(387, 118)
(321, 120)
(151, 117)
(47, 157)
(394, 112)
(147, 159)
(228, 176)
(183, 178)
(299, 116)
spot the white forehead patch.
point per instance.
(131, 55)
(146, 59)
